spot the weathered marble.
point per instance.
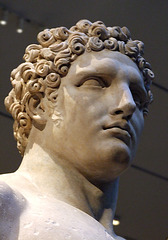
(78, 103)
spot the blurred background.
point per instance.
(142, 208)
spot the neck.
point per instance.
(55, 178)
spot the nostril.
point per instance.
(128, 117)
(123, 114)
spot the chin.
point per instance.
(117, 151)
(115, 161)
(107, 164)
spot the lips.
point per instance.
(120, 130)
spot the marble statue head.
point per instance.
(48, 65)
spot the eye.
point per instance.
(141, 101)
(93, 82)
(137, 99)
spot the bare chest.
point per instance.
(43, 220)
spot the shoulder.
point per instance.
(10, 199)
(5, 191)
(6, 197)
(10, 210)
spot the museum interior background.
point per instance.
(143, 195)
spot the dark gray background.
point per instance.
(143, 195)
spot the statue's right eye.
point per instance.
(93, 82)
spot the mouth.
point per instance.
(120, 131)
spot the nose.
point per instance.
(125, 105)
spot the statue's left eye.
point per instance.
(137, 99)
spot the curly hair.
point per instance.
(47, 62)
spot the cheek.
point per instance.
(84, 108)
(68, 103)
(138, 124)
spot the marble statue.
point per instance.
(78, 103)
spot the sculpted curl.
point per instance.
(47, 62)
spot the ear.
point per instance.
(36, 110)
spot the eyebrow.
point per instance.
(110, 71)
(100, 71)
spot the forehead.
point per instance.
(104, 63)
